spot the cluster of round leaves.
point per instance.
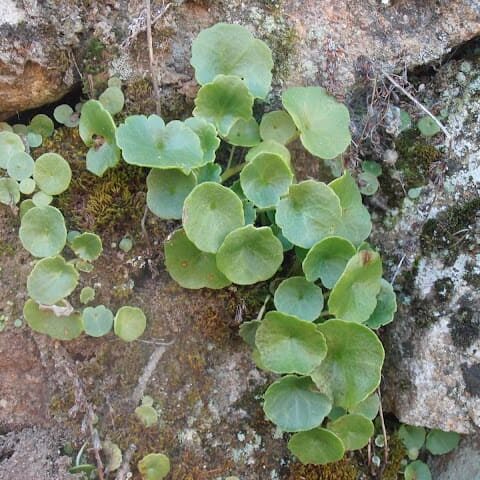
(44, 234)
(238, 232)
(436, 442)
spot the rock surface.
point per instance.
(433, 365)
(43, 53)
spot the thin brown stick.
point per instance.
(384, 432)
(419, 105)
(156, 89)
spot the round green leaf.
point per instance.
(209, 173)
(412, 437)
(265, 179)
(42, 231)
(62, 113)
(372, 167)
(129, 323)
(167, 190)
(278, 126)
(51, 280)
(25, 206)
(45, 321)
(97, 130)
(52, 173)
(232, 50)
(101, 158)
(269, 146)
(147, 415)
(27, 186)
(148, 142)
(294, 405)
(20, 129)
(354, 296)
(368, 407)
(211, 211)
(353, 430)
(5, 127)
(34, 140)
(20, 166)
(323, 122)
(386, 306)
(9, 191)
(310, 212)
(41, 199)
(299, 297)
(114, 82)
(439, 442)
(417, 471)
(10, 143)
(154, 466)
(244, 133)
(223, 102)
(318, 446)
(289, 345)
(87, 246)
(208, 137)
(368, 183)
(428, 126)
(190, 267)
(352, 368)
(42, 124)
(250, 255)
(327, 260)
(248, 330)
(113, 456)
(112, 100)
(97, 321)
(355, 224)
(405, 121)
(87, 294)
(126, 244)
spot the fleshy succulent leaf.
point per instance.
(318, 446)
(265, 179)
(189, 266)
(51, 280)
(244, 133)
(352, 368)
(309, 213)
(129, 323)
(223, 102)
(327, 260)
(232, 50)
(154, 466)
(167, 190)
(52, 173)
(278, 126)
(289, 345)
(294, 404)
(354, 296)
(211, 211)
(148, 142)
(43, 232)
(87, 246)
(249, 255)
(97, 321)
(353, 430)
(299, 297)
(385, 308)
(322, 121)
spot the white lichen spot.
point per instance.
(10, 14)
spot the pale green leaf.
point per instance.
(278, 126)
(385, 308)
(318, 447)
(353, 430)
(52, 173)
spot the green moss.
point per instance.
(396, 453)
(448, 232)
(283, 42)
(93, 60)
(345, 469)
(414, 167)
(465, 324)
(6, 249)
(443, 288)
(423, 313)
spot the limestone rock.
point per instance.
(48, 47)
(432, 375)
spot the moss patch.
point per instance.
(449, 231)
(345, 469)
(465, 324)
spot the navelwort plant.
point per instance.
(238, 223)
(44, 234)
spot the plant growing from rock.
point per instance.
(44, 234)
(239, 221)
